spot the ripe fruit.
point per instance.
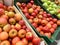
(54, 26)
(5, 16)
(21, 33)
(1, 11)
(54, 20)
(48, 35)
(20, 43)
(17, 17)
(0, 30)
(30, 43)
(7, 28)
(12, 27)
(29, 36)
(15, 40)
(35, 25)
(30, 20)
(44, 22)
(17, 26)
(25, 41)
(35, 20)
(21, 22)
(36, 41)
(49, 25)
(31, 10)
(1, 5)
(12, 21)
(58, 22)
(10, 14)
(3, 35)
(10, 8)
(5, 42)
(3, 22)
(52, 30)
(12, 33)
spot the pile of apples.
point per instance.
(13, 30)
(42, 21)
(56, 1)
(52, 7)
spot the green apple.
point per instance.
(45, 4)
(48, 2)
(58, 16)
(44, 0)
(52, 12)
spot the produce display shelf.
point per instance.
(48, 40)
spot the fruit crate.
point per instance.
(14, 28)
(28, 26)
(48, 40)
(41, 4)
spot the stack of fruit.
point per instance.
(56, 1)
(51, 7)
(42, 21)
(13, 30)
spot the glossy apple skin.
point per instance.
(3, 35)
(36, 41)
(15, 40)
(29, 36)
(21, 33)
(3, 22)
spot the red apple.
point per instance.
(54, 20)
(58, 22)
(15, 40)
(3, 35)
(32, 2)
(29, 36)
(0, 30)
(1, 5)
(5, 42)
(48, 35)
(17, 26)
(5, 16)
(10, 8)
(12, 21)
(44, 22)
(17, 17)
(19, 43)
(7, 28)
(1, 11)
(35, 20)
(21, 22)
(35, 25)
(12, 33)
(25, 41)
(31, 10)
(52, 30)
(49, 25)
(22, 33)
(30, 43)
(3, 22)
(54, 26)
(36, 41)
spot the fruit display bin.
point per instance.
(53, 15)
(14, 30)
(28, 26)
(48, 40)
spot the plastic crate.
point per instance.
(48, 40)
